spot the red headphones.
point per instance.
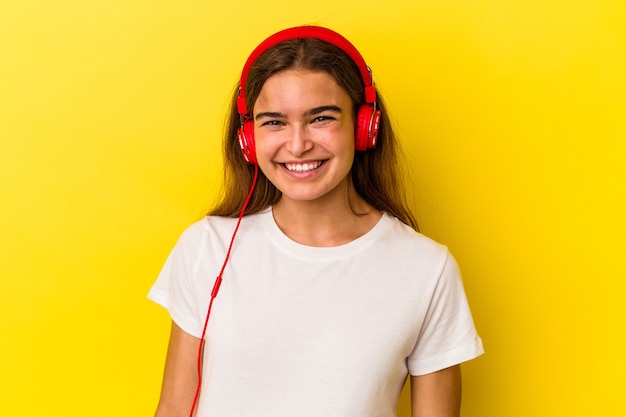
(368, 116)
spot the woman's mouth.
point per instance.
(303, 167)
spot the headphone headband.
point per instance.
(302, 32)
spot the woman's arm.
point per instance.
(181, 374)
(437, 394)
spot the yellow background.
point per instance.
(512, 114)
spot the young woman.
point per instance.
(322, 296)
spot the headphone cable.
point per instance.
(216, 288)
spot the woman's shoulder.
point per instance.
(216, 226)
(407, 239)
(405, 232)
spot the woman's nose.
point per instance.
(298, 142)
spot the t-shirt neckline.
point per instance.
(323, 253)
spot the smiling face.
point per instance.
(304, 135)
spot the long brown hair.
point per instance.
(375, 173)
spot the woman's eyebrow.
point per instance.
(310, 112)
(321, 109)
(269, 114)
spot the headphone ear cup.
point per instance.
(245, 134)
(367, 124)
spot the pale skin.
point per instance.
(304, 134)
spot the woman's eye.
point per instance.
(272, 123)
(323, 118)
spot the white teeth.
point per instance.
(304, 167)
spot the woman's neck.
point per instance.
(320, 223)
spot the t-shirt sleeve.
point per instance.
(174, 288)
(448, 335)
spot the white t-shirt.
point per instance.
(315, 331)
